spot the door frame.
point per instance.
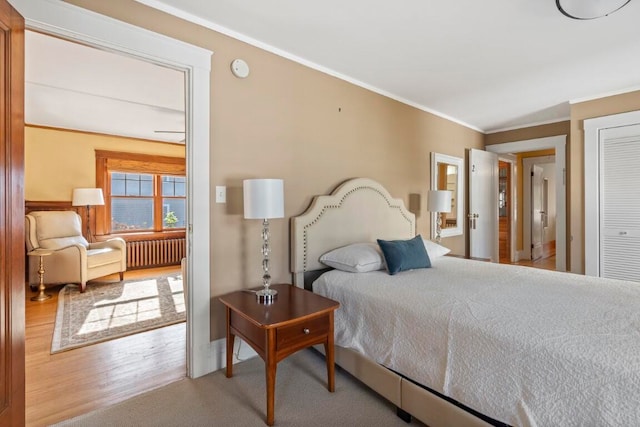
(77, 24)
(12, 284)
(527, 163)
(558, 143)
(513, 211)
(592, 128)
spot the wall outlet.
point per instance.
(221, 194)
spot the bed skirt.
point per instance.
(418, 401)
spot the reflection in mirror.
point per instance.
(448, 180)
(447, 174)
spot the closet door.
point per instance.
(619, 207)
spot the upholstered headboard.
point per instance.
(359, 210)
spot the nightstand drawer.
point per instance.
(288, 336)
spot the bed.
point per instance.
(478, 343)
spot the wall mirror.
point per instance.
(447, 173)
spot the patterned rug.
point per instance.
(108, 310)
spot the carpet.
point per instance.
(213, 400)
(108, 310)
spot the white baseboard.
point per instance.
(241, 352)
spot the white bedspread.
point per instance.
(526, 347)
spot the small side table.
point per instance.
(297, 319)
(42, 296)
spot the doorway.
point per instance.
(539, 209)
(67, 21)
(558, 145)
(69, 122)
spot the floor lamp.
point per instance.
(264, 199)
(88, 197)
(439, 201)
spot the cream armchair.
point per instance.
(74, 259)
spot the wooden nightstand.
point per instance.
(297, 319)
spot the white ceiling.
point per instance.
(72, 86)
(490, 65)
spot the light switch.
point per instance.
(221, 194)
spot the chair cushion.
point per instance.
(56, 225)
(98, 257)
(63, 242)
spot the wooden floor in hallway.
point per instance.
(548, 263)
(63, 385)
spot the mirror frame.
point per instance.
(455, 161)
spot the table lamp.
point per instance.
(264, 199)
(439, 201)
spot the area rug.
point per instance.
(109, 310)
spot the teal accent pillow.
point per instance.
(402, 255)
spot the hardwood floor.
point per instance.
(64, 385)
(548, 263)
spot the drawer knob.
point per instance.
(306, 331)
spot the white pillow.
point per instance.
(435, 250)
(355, 258)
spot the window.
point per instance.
(134, 199)
(143, 193)
(174, 192)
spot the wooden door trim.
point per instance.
(12, 247)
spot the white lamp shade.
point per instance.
(87, 197)
(439, 201)
(263, 198)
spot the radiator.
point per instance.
(155, 253)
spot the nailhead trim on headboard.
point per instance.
(390, 203)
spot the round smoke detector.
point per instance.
(239, 68)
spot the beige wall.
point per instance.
(314, 131)
(57, 161)
(532, 132)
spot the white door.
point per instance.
(537, 212)
(482, 217)
(619, 226)
(596, 131)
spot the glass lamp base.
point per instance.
(266, 295)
